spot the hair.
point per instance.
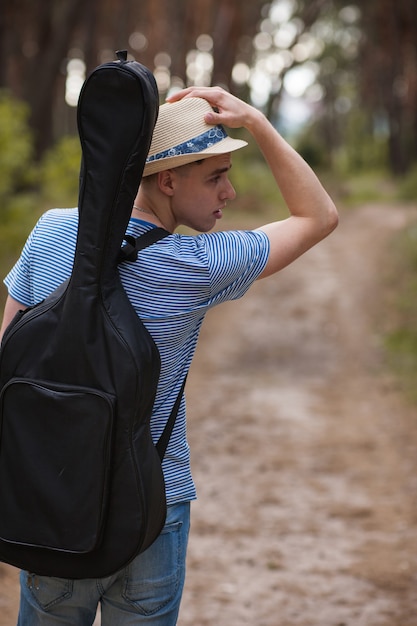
(148, 180)
(187, 166)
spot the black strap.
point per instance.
(162, 444)
(129, 252)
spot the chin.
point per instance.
(203, 229)
(208, 229)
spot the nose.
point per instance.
(229, 192)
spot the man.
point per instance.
(171, 286)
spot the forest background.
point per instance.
(338, 79)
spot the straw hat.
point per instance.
(182, 136)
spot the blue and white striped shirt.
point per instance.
(171, 286)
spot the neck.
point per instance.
(153, 217)
(138, 208)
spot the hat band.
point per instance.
(197, 144)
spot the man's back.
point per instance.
(171, 286)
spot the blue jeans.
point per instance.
(147, 592)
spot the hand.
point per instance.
(231, 111)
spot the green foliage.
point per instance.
(60, 170)
(402, 350)
(408, 185)
(363, 149)
(368, 186)
(27, 188)
(16, 146)
(18, 196)
(357, 154)
(252, 178)
(363, 152)
(258, 197)
(401, 336)
(312, 151)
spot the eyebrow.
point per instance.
(220, 170)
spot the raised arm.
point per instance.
(313, 215)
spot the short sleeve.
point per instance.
(18, 280)
(235, 260)
(46, 258)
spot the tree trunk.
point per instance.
(55, 33)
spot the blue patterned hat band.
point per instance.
(197, 144)
(182, 135)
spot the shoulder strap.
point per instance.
(163, 441)
(129, 252)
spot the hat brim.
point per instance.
(222, 147)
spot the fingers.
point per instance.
(211, 94)
(228, 109)
(179, 95)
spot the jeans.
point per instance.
(147, 592)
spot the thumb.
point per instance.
(213, 117)
(210, 118)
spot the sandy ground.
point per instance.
(304, 451)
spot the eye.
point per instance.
(216, 178)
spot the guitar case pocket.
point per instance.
(60, 479)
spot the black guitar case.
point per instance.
(81, 485)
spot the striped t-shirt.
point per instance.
(171, 286)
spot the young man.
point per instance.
(171, 286)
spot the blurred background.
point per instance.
(347, 71)
(338, 79)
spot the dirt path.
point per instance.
(304, 454)
(303, 451)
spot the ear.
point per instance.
(166, 182)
